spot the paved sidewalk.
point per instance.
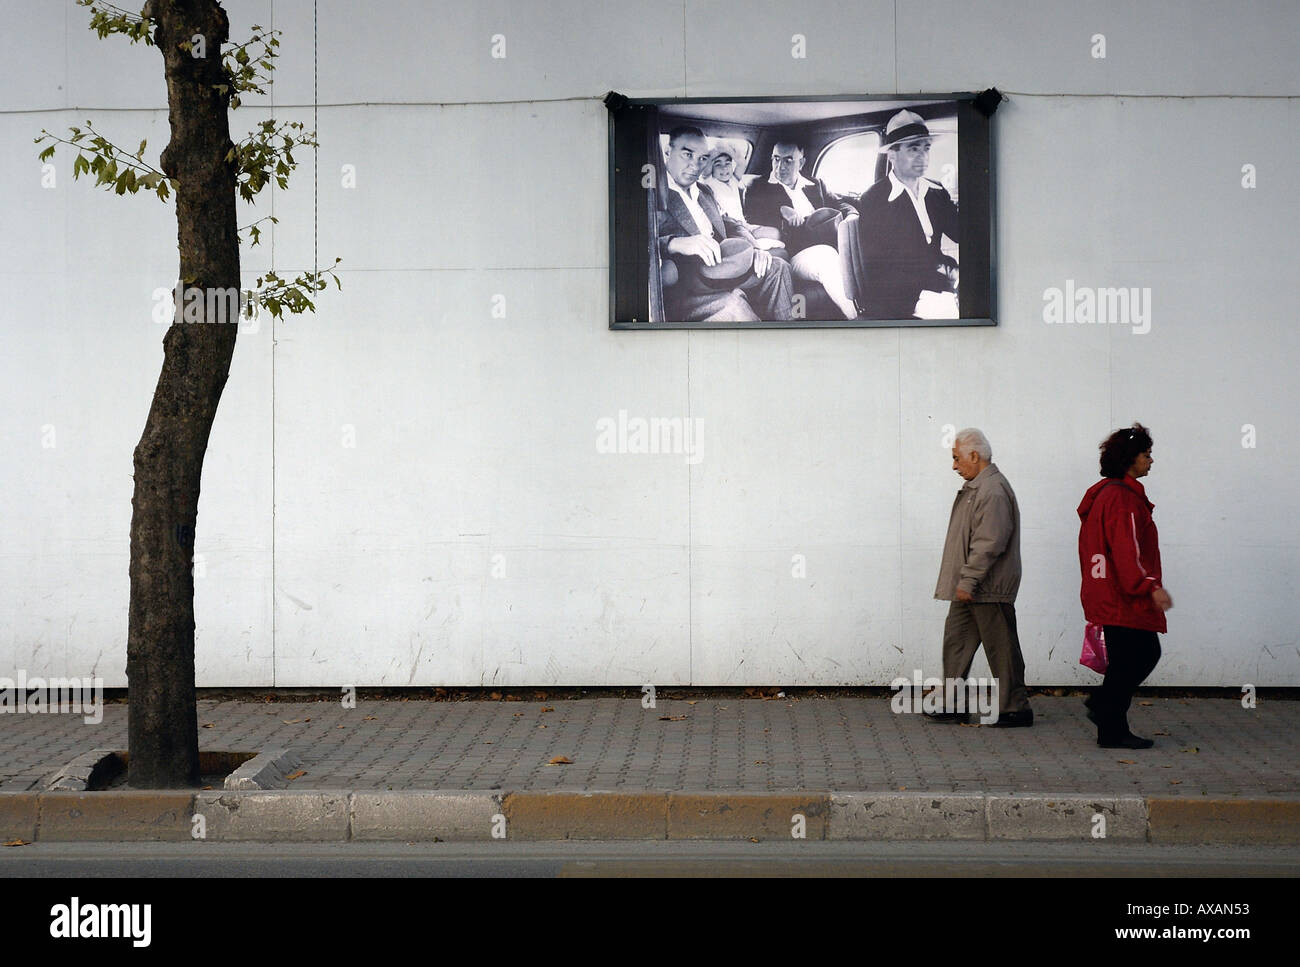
(1204, 746)
(815, 767)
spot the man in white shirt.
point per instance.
(690, 230)
(904, 219)
(785, 201)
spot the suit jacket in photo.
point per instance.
(676, 221)
(763, 201)
(689, 298)
(897, 260)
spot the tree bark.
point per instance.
(162, 724)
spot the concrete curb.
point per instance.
(113, 815)
(1240, 821)
(269, 769)
(419, 816)
(272, 815)
(869, 817)
(75, 775)
(1065, 818)
(467, 815)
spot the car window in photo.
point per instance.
(848, 165)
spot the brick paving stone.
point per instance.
(849, 743)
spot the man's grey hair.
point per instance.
(972, 439)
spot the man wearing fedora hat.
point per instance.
(806, 214)
(721, 275)
(904, 219)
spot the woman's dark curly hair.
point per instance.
(1121, 448)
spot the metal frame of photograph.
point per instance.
(766, 212)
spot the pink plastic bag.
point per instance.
(1094, 648)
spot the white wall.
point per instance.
(475, 436)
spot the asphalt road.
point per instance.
(642, 859)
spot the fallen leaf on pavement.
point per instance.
(1159, 733)
(1175, 782)
(495, 696)
(291, 721)
(297, 775)
(1144, 703)
(691, 703)
(517, 714)
(1127, 762)
(207, 725)
(548, 709)
(18, 842)
(672, 718)
(369, 718)
(1192, 748)
(560, 760)
(753, 839)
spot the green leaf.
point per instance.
(48, 153)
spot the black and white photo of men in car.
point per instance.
(816, 211)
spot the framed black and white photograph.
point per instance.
(801, 212)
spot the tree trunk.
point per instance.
(162, 724)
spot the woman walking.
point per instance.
(1119, 556)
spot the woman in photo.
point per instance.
(1119, 556)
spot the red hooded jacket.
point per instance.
(1119, 556)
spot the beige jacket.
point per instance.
(982, 552)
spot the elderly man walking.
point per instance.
(980, 575)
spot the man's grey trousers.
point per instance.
(994, 624)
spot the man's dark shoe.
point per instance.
(1021, 719)
(945, 716)
(1129, 741)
